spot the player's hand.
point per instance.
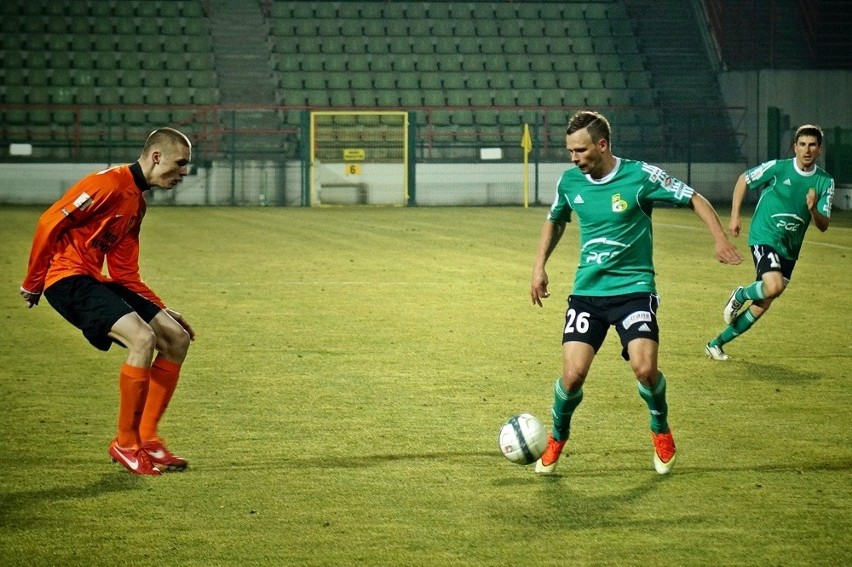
(727, 253)
(30, 298)
(538, 287)
(182, 322)
(811, 199)
(734, 226)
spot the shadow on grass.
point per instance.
(841, 464)
(559, 507)
(346, 462)
(16, 504)
(776, 373)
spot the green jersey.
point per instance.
(616, 240)
(782, 217)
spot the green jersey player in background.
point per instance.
(614, 281)
(795, 191)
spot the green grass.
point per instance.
(341, 403)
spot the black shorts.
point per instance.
(634, 315)
(766, 259)
(94, 307)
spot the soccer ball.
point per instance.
(522, 439)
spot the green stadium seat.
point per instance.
(363, 98)
(108, 96)
(159, 117)
(604, 45)
(148, 27)
(125, 28)
(340, 98)
(179, 95)
(458, 98)
(200, 62)
(134, 117)
(464, 28)
(614, 80)
(608, 63)
(434, 98)
(198, 44)
(156, 97)
(544, 81)
(591, 80)
(203, 96)
(541, 65)
(194, 27)
(102, 26)
(582, 45)
(410, 98)
(500, 81)
(203, 79)
(522, 81)
(638, 81)
(568, 81)
(131, 78)
(453, 81)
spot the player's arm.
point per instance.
(736, 204)
(49, 229)
(551, 232)
(725, 251)
(820, 221)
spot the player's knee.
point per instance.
(772, 289)
(175, 342)
(573, 379)
(646, 371)
(142, 339)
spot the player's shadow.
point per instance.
(776, 373)
(560, 506)
(17, 504)
(363, 461)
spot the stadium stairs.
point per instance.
(241, 57)
(683, 75)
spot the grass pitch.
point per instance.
(341, 403)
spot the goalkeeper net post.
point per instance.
(360, 157)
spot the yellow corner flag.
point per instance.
(526, 143)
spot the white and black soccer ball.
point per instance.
(523, 439)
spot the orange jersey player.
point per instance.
(97, 223)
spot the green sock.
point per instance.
(657, 406)
(564, 404)
(753, 292)
(740, 325)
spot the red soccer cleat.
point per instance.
(159, 455)
(133, 459)
(664, 451)
(547, 463)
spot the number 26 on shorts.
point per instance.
(576, 322)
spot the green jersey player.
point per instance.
(795, 191)
(614, 282)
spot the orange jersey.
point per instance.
(97, 219)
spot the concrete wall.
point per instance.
(821, 97)
(268, 183)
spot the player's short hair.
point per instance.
(809, 130)
(596, 122)
(165, 136)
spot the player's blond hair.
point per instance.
(168, 137)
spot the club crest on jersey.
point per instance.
(619, 205)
